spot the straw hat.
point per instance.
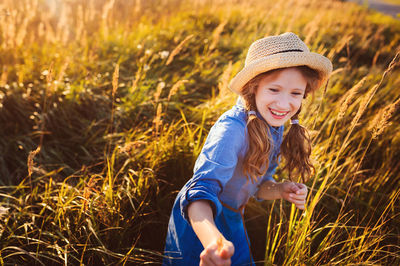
(285, 50)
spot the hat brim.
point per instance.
(289, 59)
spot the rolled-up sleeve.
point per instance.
(216, 164)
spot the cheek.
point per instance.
(260, 99)
(297, 104)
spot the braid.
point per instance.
(256, 160)
(296, 150)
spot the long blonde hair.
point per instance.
(296, 145)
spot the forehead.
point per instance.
(288, 78)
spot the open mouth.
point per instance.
(277, 114)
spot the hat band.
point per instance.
(285, 51)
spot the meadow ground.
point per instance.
(105, 105)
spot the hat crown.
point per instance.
(287, 42)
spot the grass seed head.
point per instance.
(175, 88)
(380, 121)
(115, 80)
(30, 162)
(177, 49)
(346, 99)
(363, 105)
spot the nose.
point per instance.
(283, 102)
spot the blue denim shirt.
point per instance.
(218, 177)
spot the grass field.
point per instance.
(105, 105)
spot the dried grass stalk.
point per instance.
(115, 80)
(217, 34)
(157, 94)
(348, 97)
(224, 81)
(178, 49)
(380, 121)
(367, 98)
(363, 105)
(30, 162)
(157, 119)
(175, 88)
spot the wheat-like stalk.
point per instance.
(63, 27)
(115, 81)
(380, 121)
(4, 76)
(348, 97)
(135, 81)
(157, 119)
(175, 88)
(30, 162)
(217, 34)
(177, 49)
(107, 8)
(367, 98)
(363, 105)
(224, 81)
(138, 6)
(157, 94)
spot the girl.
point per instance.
(241, 153)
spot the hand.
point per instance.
(217, 253)
(295, 193)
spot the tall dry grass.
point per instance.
(105, 105)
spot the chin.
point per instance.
(276, 123)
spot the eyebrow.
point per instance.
(277, 85)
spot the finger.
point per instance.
(227, 250)
(302, 191)
(205, 262)
(297, 197)
(301, 187)
(293, 187)
(205, 259)
(226, 262)
(207, 253)
(216, 260)
(297, 201)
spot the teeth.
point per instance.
(278, 113)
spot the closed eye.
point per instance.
(273, 89)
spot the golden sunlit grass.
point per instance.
(105, 105)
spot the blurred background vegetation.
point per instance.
(105, 105)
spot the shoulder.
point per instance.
(228, 134)
(232, 121)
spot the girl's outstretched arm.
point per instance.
(217, 250)
(295, 193)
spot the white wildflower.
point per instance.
(164, 54)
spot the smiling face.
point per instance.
(279, 95)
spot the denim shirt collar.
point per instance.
(241, 105)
